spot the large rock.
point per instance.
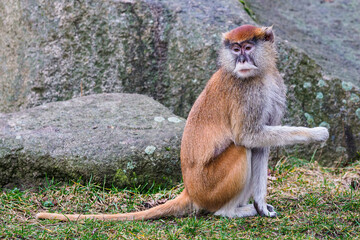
(57, 50)
(315, 99)
(123, 139)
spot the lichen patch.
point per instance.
(174, 119)
(150, 150)
(159, 119)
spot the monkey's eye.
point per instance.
(236, 49)
(248, 47)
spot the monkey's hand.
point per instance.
(319, 134)
(266, 210)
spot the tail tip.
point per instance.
(38, 216)
(41, 215)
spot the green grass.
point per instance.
(312, 202)
(248, 10)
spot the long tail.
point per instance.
(179, 206)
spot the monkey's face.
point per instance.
(239, 58)
(248, 51)
(243, 55)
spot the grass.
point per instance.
(312, 202)
(248, 10)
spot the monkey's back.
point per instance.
(214, 169)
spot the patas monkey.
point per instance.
(228, 134)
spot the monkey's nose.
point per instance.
(241, 59)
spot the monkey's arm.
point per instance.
(283, 135)
(259, 166)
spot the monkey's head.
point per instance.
(248, 51)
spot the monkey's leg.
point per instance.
(259, 162)
(237, 207)
(283, 135)
(218, 182)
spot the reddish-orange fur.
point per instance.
(244, 32)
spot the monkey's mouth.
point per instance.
(244, 67)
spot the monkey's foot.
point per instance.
(247, 211)
(270, 208)
(267, 211)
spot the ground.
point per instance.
(312, 202)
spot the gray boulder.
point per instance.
(119, 139)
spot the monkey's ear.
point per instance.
(225, 41)
(269, 35)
